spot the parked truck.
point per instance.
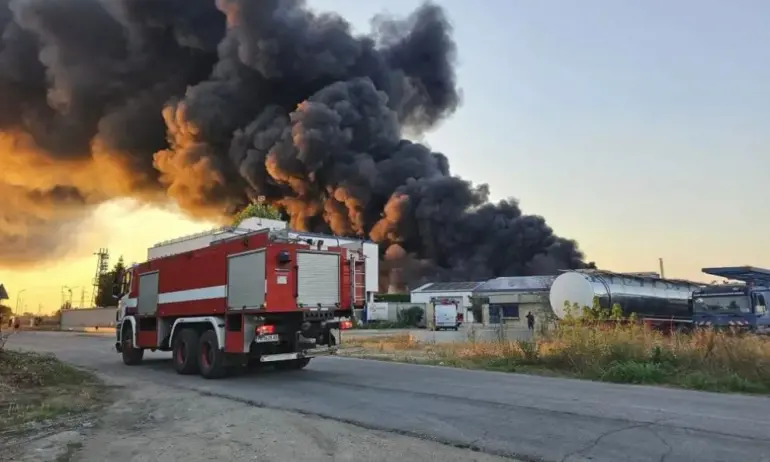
(741, 304)
(660, 303)
(239, 297)
(671, 304)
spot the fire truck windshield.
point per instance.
(722, 304)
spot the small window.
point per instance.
(507, 310)
(761, 307)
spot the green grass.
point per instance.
(35, 387)
(619, 353)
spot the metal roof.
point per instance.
(448, 287)
(517, 284)
(747, 274)
(3, 293)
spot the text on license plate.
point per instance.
(266, 338)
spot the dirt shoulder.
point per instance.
(148, 421)
(42, 398)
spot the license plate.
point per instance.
(267, 338)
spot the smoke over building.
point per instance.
(211, 103)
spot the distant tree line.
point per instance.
(104, 296)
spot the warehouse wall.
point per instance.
(91, 317)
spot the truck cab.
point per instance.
(739, 305)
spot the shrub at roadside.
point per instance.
(36, 387)
(605, 346)
(630, 353)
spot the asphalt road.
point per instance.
(525, 417)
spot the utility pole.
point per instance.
(18, 300)
(102, 267)
(64, 296)
(662, 273)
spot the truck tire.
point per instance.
(292, 364)
(186, 345)
(131, 356)
(211, 360)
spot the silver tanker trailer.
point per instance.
(653, 300)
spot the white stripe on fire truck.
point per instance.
(206, 293)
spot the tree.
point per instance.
(106, 281)
(259, 210)
(5, 311)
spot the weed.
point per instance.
(613, 350)
(36, 387)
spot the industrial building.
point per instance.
(456, 291)
(509, 299)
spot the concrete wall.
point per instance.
(91, 317)
(395, 307)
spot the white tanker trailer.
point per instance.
(650, 298)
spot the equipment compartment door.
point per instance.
(147, 302)
(318, 279)
(246, 280)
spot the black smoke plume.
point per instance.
(213, 103)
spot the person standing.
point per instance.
(530, 321)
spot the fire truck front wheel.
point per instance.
(211, 359)
(131, 356)
(186, 345)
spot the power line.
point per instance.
(102, 267)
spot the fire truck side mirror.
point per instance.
(116, 291)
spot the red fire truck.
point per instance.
(244, 297)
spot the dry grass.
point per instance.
(399, 347)
(705, 360)
(36, 388)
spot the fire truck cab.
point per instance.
(239, 297)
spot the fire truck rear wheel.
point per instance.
(131, 356)
(186, 346)
(211, 359)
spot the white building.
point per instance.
(509, 299)
(457, 291)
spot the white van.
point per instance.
(446, 316)
(441, 314)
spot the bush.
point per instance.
(411, 316)
(604, 345)
(593, 346)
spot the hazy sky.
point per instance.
(639, 128)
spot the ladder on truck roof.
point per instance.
(748, 274)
